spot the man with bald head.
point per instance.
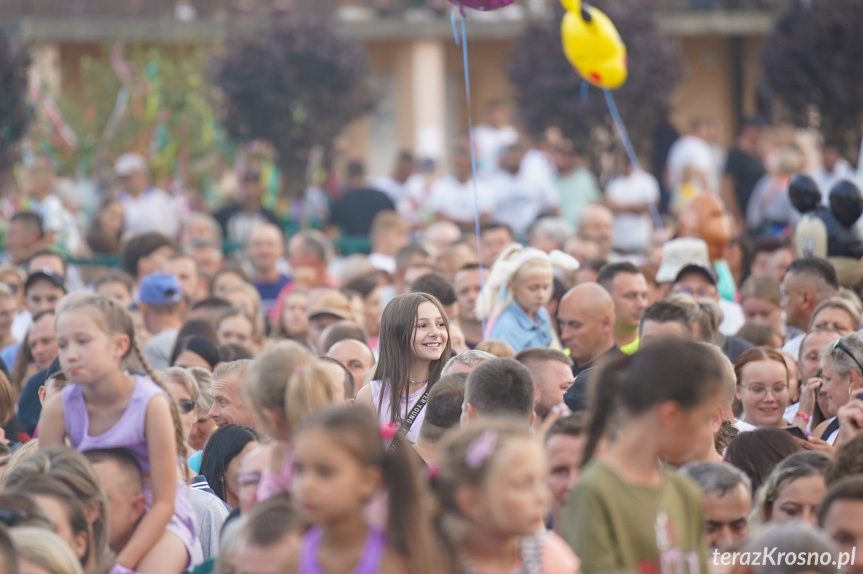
(265, 248)
(595, 223)
(586, 320)
(357, 357)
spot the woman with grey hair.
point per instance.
(842, 368)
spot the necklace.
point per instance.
(418, 382)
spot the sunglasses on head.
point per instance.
(12, 518)
(186, 405)
(841, 346)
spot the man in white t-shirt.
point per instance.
(835, 168)
(451, 198)
(521, 196)
(493, 137)
(403, 183)
(40, 181)
(147, 208)
(630, 196)
(693, 151)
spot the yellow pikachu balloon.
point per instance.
(593, 46)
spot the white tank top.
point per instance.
(384, 412)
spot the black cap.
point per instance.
(47, 275)
(54, 370)
(702, 270)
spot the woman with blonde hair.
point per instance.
(40, 551)
(835, 314)
(72, 469)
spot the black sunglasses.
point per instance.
(12, 518)
(186, 405)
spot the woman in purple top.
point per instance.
(341, 460)
(105, 407)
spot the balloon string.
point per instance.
(462, 41)
(630, 151)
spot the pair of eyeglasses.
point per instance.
(759, 391)
(186, 405)
(841, 346)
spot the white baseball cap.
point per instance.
(678, 253)
(129, 163)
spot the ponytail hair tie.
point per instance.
(433, 472)
(481, 449)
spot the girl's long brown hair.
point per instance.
(398, 328)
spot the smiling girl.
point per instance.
(414, 346)
(762, 387)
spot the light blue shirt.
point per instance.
(194, 461)
(9, 354)
(516, 328)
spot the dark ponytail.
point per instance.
(685, 372)
(603, 383)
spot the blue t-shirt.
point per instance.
(9, 354)
(269, 292)
(194, 461)
(516, 328)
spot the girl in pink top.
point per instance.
(414, 347)
(492, 494)
(105, 407)
(285, 385)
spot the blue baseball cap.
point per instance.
(160, 289)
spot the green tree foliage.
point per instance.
(15, 111)
(161, 108)
(813, 64)
(549, 90)
(296, 86)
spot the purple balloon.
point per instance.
(484, 5)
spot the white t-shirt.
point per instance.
(693, 152)
(792, 347)
(632, 230)
(827, 179)
(521, 198)
(398, 191)
(743, 426)
(454, 199)
(58, 220)
(733, 318)
(153, 210)
(491, 143)
(383, 262)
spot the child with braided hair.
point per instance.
(105, 406)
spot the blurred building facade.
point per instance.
(417, 74)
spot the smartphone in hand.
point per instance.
(795, 431)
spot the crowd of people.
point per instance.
(568, 390)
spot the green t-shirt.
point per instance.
(616, 527)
